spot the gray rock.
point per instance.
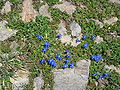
(72, 79)
(28, 11)
(66, 6)
(67, 39)
(112, 67)
(5, 32)
(61, 28)
(98, 39)
(0, 64)
(14, 46)
(20, 79)
(98, 23)
(115, 1)
(38, 82)
(75, 29)
(111, 20)
(43, 10)
(6, 8)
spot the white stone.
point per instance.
(112, 67)
(66, 6)
(98, 39)
(6, 8)
(5, 32)
(0, 64)
(28, 12)
(115, 1)
(111, 20)
(19, 79)
(75, 29)
(43, 10)
(38, 82)
(98, 23)
(72, 79)
(67, 39)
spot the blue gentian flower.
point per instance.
(52, 63)
(46, 44)
(59, 36)
(84, 37)
(55, 64)
(72, 65)
(93, 36)
(86, 45)
(65, 66)
(67, 61)
(106, 74)
(68, 56)
(94, 74)
(42, 60)
(93, 57)
(44, 50)
(100, 76)
(59, 56)
(77, 40)
(67, 51)
(39, 37)
(96, 58)
(50, 60)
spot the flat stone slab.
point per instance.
(66, 6)
(38, 82)
(72, 79)
(115, 1)
(43, 10)
(6, 8)
(5, 32)
(75, 29)
(20, 79)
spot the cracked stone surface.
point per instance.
(66, 6)
(72, 79)
(98, 23)
(115, 1)
(5, 32)
(38, 82)
(67, 39)
(111, 20)
(43, 10)
(28, 12)
(19, 79)
(112, 67)
(98, 39)
(6, 8)
(75, 29)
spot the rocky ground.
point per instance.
(85, 28)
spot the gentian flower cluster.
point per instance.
(100, 75)
(46, 44)
(52, 63)
(96, 58)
